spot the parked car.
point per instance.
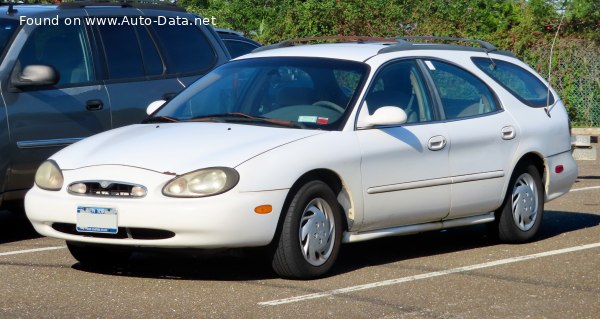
(303, 148)
(66, 73)
(236, 43)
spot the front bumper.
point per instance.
(222, 221)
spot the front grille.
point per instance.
(105, 188)
(123, 233)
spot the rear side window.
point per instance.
(518, 81)
(186, 49)
(123, 54)
(462, 94)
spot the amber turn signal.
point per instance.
(263, 209)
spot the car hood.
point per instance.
(177, 147)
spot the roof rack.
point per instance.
(397, 44)
(334, 38)
(138, 4)
(403, 42)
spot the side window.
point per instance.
(185, 48)
(152, 61)
(462, 93)
(65, 47)
(238, 48)
(401, 84)
(123, 54)
(520, 82)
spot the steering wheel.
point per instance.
(330, 105)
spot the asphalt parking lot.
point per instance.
(459, 273)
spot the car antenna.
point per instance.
(547, 108)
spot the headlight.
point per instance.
(204, 182)
(49, 176)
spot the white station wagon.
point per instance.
(301, 148)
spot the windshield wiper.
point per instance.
(159, 119)
(224, 117)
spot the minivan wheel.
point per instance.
(519, 218)
(311, 233)
(98, 256)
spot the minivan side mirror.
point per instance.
(152, 107)
(387, 115)
(36, 75)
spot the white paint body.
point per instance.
(394, 183)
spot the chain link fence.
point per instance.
(575, 75)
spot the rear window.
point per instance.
(518, 81)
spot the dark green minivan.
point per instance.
(72, 70)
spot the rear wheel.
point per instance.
(519, 218)
(311, 233)
(98, 256)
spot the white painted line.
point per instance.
(584, 188)
(426, 275)
(31, 250)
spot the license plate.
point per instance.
(97, 220)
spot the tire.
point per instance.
(518, 219)
(313, 213)
(98, 256)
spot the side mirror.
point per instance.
(152, 107)
(387, 115)
(36, 75)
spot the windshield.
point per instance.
(7, 28)
(295, 92)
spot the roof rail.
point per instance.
(333, 38)
(396, 44)
(485, 45)
(138, 4)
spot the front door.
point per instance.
(405, 169)
(42, 120)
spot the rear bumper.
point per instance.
(558, 184)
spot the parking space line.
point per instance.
(427, 275)
(26, 251)
(584, 188)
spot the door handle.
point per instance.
(508, 132)
(436, 143)
(94, 105)
(168, 96)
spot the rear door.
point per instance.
(42, 120)
(150, 61)
(482, 138)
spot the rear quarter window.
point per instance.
(521, 83)
(185, 48)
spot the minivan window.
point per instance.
(7, 29)
(123, 55)
(152, 61)
(185, 48)
(518, 81)
(64, 47)
(462, 94)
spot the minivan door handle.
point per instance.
(508, 132)
(94, 105)
(436, 143)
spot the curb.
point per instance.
(586, 131)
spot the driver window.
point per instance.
(64, 47)
(400, 84)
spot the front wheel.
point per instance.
(311, 233)
(519, 218)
